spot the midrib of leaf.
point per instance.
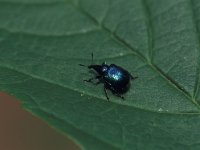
(31, 76)
(197, 82)
(116, 38)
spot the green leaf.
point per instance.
(43, 41)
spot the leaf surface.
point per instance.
(43, 41)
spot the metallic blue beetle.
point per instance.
(113, 77)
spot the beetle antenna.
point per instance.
(92, 58)
(83, 65)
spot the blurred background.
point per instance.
(19, 130)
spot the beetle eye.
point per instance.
(104, 69)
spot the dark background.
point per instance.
(19, 130)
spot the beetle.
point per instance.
(114, 78)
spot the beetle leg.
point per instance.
(132, 77)
(105, 90)
(98, 82)
(91, 79)
(122, 97)
(117, 94)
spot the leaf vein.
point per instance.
(116, 38)
(33, 3)
(150, 29)
(197, 82)
(50, 35)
